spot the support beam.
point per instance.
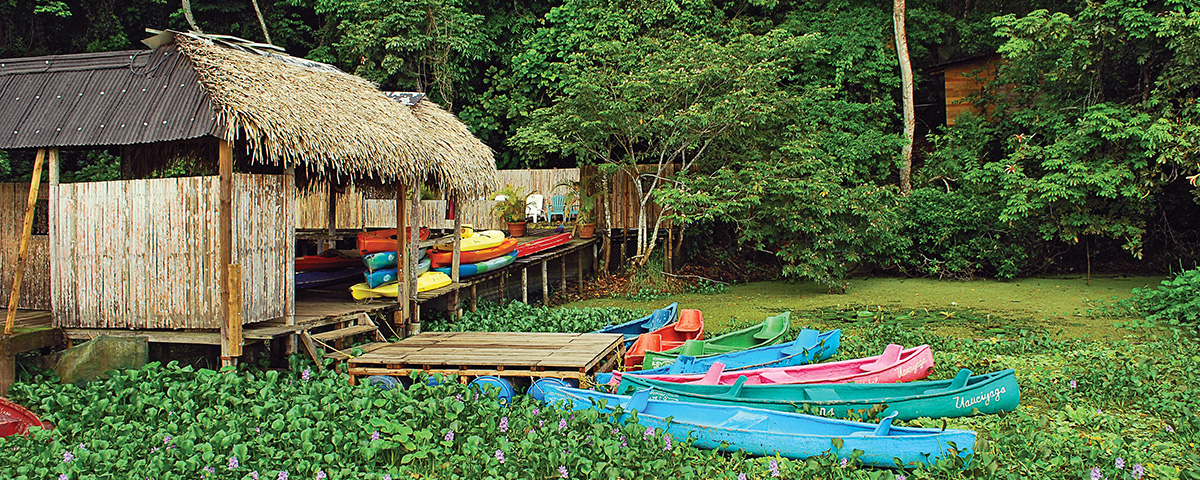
(525, 285)
(225, 248)
(503, 276)
(414, 239)
(563, 273)
(289, 302)
(475, 296)
(455, 263)
(52, 227)
(545, 284)
(8, 372)
(23, 250)
(402, 315)
(579, 261)
(233, 331)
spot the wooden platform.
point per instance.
(506, 354)
(571, 247)
(31, 331)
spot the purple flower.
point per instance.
(623, 444)
(282, 475)
(233, 463)
(1138, 471)
(1096, 475)
(83, 446)
(305, 375)
(503, 424)
(536, 411)
(649, 433)
(500, 456)
(562, 472)
(844, 462)
(375, 435)
(209, 469)
(667, 437)
(321, 475)
(562, 424)
(254, 475)
(386, 476)
(257, 430)
(63, 476)
(774, 466)
(450, 436)
(166, 439)
(540, 422)
(155, 449)
(616, 430)
(901, 477)
(1170, 430)
(1073, 384)
(1120, 463)
(68, 456)
(741, 476)
(458, 396)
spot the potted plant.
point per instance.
(510, 207)
(585, 223)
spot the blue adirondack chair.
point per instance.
(558, 206)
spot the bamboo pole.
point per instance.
(414, 239)
(230, 336)
(525, 285)
(402, 260)
(52, 219)
(545, 284)
(23, 250)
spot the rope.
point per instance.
(326, 345)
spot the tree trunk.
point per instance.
(262, 22)
(906, 76)
(187, 13)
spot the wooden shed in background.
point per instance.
(965, 81)
(212, 252)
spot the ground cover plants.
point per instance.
(1111, 409)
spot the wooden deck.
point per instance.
(572, 247)
(506, 354)
(31, 331)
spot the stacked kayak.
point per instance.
(427, 281)
(633, 328)
(481, 267)
(384, 260)
(322, 278)
(809, 346)
(328, 260)
(767, 432)
(478, 241)
(445, 258)
(771, 331)
(386, 275)
(690, 326)
(384, 240)
(530, 248)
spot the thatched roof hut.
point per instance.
(288, 112)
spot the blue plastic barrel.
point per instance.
(538, 389)
(384, 382)
(506, 389)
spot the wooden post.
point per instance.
(8, 371)
(503, 275)
(414, 213)
(23, 250)
(230, 336)
(545, 284)
(563, 272)
(455, 262)
(525, 285)
(475, 296)
(289, 302)
(331, 220)
(596, 260)
(404, 313)
(52, 218)
(235, 311)
(579, 264)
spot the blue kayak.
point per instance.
(385, 260)
(649, 323)
(769, 432)
(380, 277)
(469, 269)
(809, 346)
(317, 278)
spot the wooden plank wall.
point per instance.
(359, 209)
(966, 80)
(265, 244)
(142, 254)
(35, 284)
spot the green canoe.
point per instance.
(961, 396)
(771, 331)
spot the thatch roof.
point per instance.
(335, 124)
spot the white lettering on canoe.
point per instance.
(985, 398)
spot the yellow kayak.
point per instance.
(427, 281)
(478, 241)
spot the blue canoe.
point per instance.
(768, 432)
(649, 323)
(380, 277)
(809, 346)
(477, 268)
(317, 278)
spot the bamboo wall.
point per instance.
(623, 202)
(35, 283)
(358, 209)
(144, 253)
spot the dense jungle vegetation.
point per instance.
(784, 114)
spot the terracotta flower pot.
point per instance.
(586, 230)
(516, 229)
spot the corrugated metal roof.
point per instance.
(98, 99)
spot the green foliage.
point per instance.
(511, 207)
(520, 317)
(1175, 302)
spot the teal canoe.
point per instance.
(385, 260)
(768, 433)
(380, 277)
(481, 267)
(961, 396)
(771, 331)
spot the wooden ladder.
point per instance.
(359, 324)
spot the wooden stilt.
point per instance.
(563, 273)
(455, 263)
(414, 213)
(525, 285)
(231, 335)
(545, 284)
(23, 249)
(579, 261)
(403, 313)
(475, 296)
(8, 372)
(52, 227)
(289, 303)
(503, 294)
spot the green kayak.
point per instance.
(961, 396)
(771, 331)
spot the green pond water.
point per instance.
(1059, 305)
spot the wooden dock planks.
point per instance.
(514, 354)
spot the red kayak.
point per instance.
(540, 244)
(329, 260)
(689, 327)
(442, 259)
(383, 240)
(16, 420)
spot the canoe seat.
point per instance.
(745, 420)
(804, 342)
(959, 382)
(646, 342)
(889, 357)
(694, 348)
(776, 376)
(774, 326)
(821, 394)
(690, 320)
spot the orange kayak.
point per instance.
(382, 240)
(442, 259)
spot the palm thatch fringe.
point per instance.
(335, 124)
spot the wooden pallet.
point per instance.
(507, 354)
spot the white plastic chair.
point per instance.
(533, 206)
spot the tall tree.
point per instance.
(906, 77)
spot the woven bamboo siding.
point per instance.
(623, 202)
(142, 254)
(265, 243)
(312, 207)
(35, 285)
(381, 213)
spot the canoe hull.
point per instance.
(768, 433)
(478, 241)
(383, 240)
(654, 321)
(322, 263)
(530, 248)
(771, 331)
(444, 259)
(384, 260)
(485, 266)
(387, 275)
(427, 281)
(319, 278)
(689, 326)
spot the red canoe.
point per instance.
(540, 244)
(689, 327)
(326, 262)
(16, 420)
(442, 259)
(382, 240)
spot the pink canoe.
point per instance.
(895, 364)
